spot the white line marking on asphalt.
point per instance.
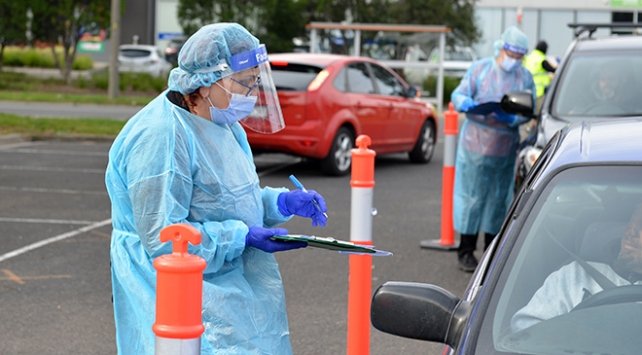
(58, 152)
(76, 232)
(57, 238)
(43, 168)
(56, 191)
(45, 221)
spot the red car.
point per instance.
(328, 100)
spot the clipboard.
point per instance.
(486, 108)
(329, 243)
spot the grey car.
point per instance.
(598, 79)
(572, 214)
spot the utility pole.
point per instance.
(113, 54)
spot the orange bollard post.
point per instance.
(179, 285)
(451, 128)
(360, 266)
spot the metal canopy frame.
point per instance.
(590, 28)
(358, 27)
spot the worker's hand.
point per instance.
(259, 237)
(467, 104)
(305, 204)
(508, 118)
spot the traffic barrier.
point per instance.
(447, 240)
(360, 266)
(179, 285)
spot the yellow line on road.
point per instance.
(21, 280)
(13, 277)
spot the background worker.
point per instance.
(184, 158)
(487, 144)
(542, 68)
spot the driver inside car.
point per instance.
(579, 280)
(606, 94)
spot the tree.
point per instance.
(193, 14)
(459, 15)
(13, 24)
(282, 23)
(276, 22)
(61, 22)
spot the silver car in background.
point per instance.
(598, 79)
(142, 58)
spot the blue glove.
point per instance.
(305, 204)
(507, 118)
(467, 104)
(259, 237)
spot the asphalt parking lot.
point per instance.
(55, 290)
(54, 296)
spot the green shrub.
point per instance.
(142, 82)
(41, 58)
(129, 82)
(100, 80)
(14, 81)
(450, 84)
(82, 62)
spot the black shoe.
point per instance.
(467, 262)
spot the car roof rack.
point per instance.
(590, 28)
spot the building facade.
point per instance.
(156, 21)
(548, 19)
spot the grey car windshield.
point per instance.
(548, 299)
(605, 84)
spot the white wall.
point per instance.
(549, 24)
(166, 22)
(548, 4)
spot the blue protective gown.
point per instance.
(169, 166)
(486, 149)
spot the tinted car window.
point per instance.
(581, 214)
(135, 53)
(605, 84)
(359, 79)
(340, 81)
(386, 82)
(293, 77)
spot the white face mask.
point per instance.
(509, 64)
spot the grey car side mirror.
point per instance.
(520, 102)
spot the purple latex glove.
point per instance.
(259, 237)
(305, 204)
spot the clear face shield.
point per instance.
(252, 76)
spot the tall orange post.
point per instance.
(360, 273)
(451, 128)
(179, 285)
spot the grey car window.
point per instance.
(584, 211)
(359, 79)
(386, 82)
(600, 85)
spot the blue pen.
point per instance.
(300, 186)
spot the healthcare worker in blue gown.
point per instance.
(487, 143)
(184, 158)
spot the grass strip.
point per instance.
(59, 127)
(74, 98)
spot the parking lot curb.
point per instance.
(70, 138)
(14, 138)
(11, 138)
